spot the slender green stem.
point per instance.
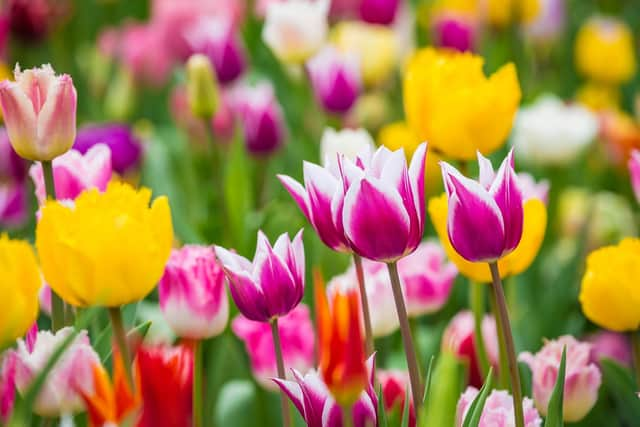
(478, 309)
(405, 329)
(503, 366)
(198, 391)
(635, 343)
(503, 318)
(121, 341)
(357, 260)
(286, 416)
(347, 416)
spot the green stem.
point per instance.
(405, 329)
(121, 341)
(635, 344)
(503, 319)
(357, 260)
(478, 309)
(57, 305)
(197, 384)
(503, 366)
(347, 416)
(286, 418)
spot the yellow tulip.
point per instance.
(535, 223)
(19, 285)
(449, 102)
(109, 249)
(610, 291)
(604, 51)
(375, 45)
(599, 96)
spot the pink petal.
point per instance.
(19, 119)
(57, 119)
(506, 192)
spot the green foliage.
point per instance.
(472, 419)
(554, 410)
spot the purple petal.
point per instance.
(315, 395)
(278, 285)
(416, 177)
(508, 196)
(298, 193)
(293, 391)
(248, 297)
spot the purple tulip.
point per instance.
(379, 11)
(454, 31)
(216, 38)
(12, 167)
(126, 151)
(314, 402)
(192, 294)
(273, 284)
(335, 77)
(485, 217)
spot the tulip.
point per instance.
(216, 38)
(449, 102)
(297, 334)
(548, 24)
(73, 372)
(342, 360)
(335, 78)
(33, 20)
(295, 29)
(39, 111)
(497, 411)
(604, 51)
(582, 378)
(20, 284)
(202, 86)
(313, 400)
(549, 132)
(455, 31)
(379, 11)
(609, 294)
(109, 249)
(13, 168)
(126, 150)
(147, 58)
(14, 204)
(192, 293)
(610, 345)
(346, 142)
(74, 173)
(459, 339)
(7, 387)
(634, 172)
(394, 390)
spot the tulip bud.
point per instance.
(455, 31)
(202, 90)
(335, 78)
(348, 142)
(394, 385)
(582, 379)
(39, 110)
(379, 11)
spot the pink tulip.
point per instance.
(498, 409)
(610, 345)
(335, 77)
(39, 111)
(273, 284)
(459, 339)
(485, 217)
(313, 400)
(455, 31)
(145, 56)
(192, 293)
(582, 379)
(7, 386)
(379, 11)
(634, 171)
(297, 337)
(14, 204)
(74, 173)
(427, 278)
(394, 389)
(73, 371)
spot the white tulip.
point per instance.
(348, 142)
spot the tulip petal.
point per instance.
(19, 118)
(298, 193)
(416, 178)
(506, 192)
(315, 393)
(56, 127)
(278, 285)
(231, 261)
(248, 297)
(293, 390)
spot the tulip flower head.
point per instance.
(270, 286)
(485, 217)
(497, 411)
(582, 378)
(455, 31)
(335, 77)
(348, 142)
(634, 172)
(39, 111)
(126, 150)
(379, 11)
(610, 345)
(192, 293)
(394, 390)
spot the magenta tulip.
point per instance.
(379, 11)
(335, 77)
(7, 386)
(485, 217)
(634, 171)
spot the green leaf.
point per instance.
(405, 411)
(382, 414)
(440, 408)
(554, 410)
(618, 383)
(236, 406)
(427, 382)
(472, 419)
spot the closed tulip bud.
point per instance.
(485, 219)
(126, 149)
(192, 293)
(296, 336)
(582, 377)
(455, 31)
(60, 393)
(39, 111)
(634, 172)
(273, 284)
(335, 78)
(74, 173)
(202, 90)
(379, 11)
(497, 411)
(347, 142)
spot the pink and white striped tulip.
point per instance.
(73, 372)
(498, 409)
(192, 294)
(634, 172)
(74, 172)
(485, 217)
(335, 77)
(270, 286)
(296, 335)
(582, 378)
(7, 386)
(39, 111)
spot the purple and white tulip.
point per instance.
(7, 386)
(192, 293)
(126, 148)
(381, 12)
(485, 217)
(313, 400)
(270, 286)
(634, 171)
(335, 77)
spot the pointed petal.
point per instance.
(19, 119)
(298, 193)
(278, 286)
(293, 391)
(232, 261)
(487, 174)
(248, 297)
(506, 192)
(57, 119)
